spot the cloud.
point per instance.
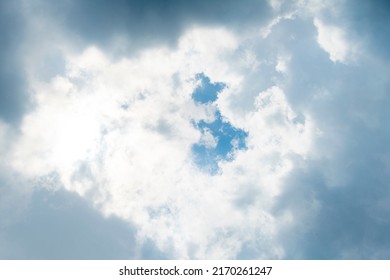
(332, 40)
(369, 22)
(336, 190)
(13, 94)
(53, 224)
(117, 26)
(120, 134)
(297, 144)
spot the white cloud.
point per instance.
(282, 65)
(332, 39)
(208, 140)
(4, 132)
(266, 30)
(119, 133)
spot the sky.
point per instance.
(200, 129)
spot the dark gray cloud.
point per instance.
(62, 225)
(137, 23)
(148, 22)
(13, 93)
(348, 221)
(340, 198)
(369, 20)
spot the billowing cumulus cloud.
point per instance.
(121, 134)
(195, 130)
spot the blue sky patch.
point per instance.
(224, 138)
(206, 92)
